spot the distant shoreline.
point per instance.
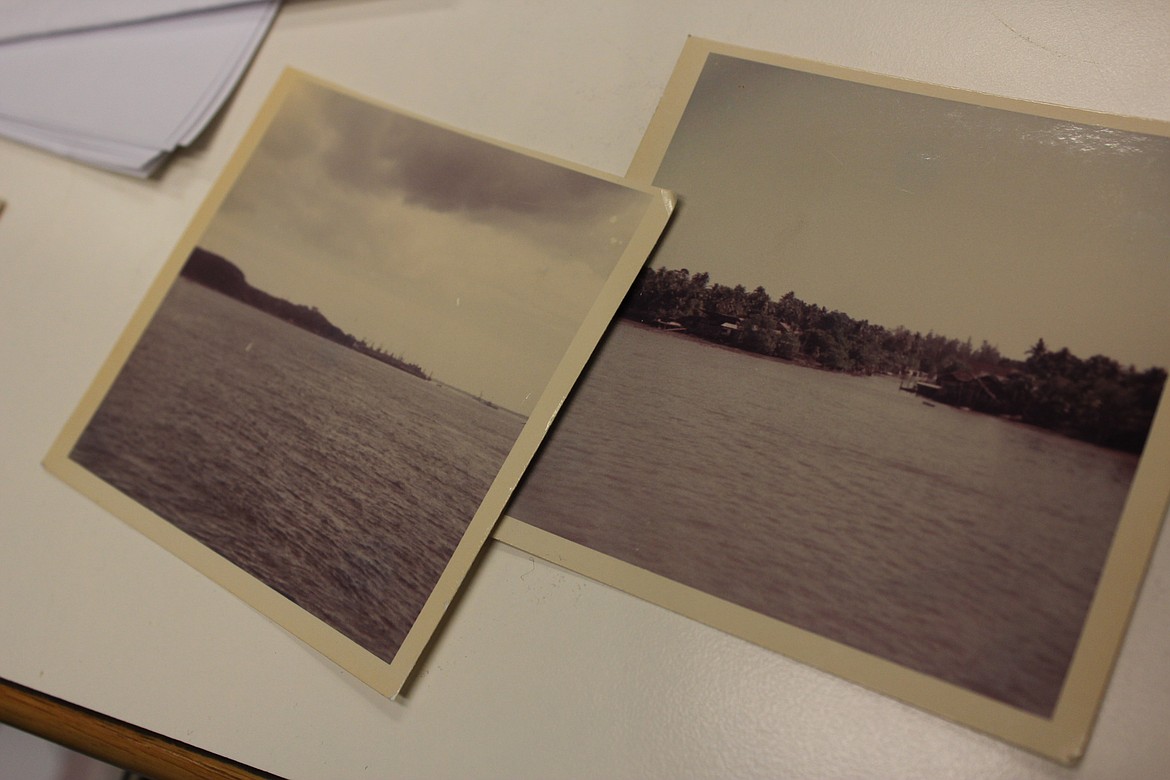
(480, 399)
(730, 348)
(223, 276)
(1005, 417)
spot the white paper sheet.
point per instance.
(27, 18)
(131, 159)
(121, 96)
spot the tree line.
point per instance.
(1094, 399)
(222, 275)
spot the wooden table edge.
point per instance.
(113, 741)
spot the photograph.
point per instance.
(887, 380)
(350, 359)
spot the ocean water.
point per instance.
(957, 544)
(343, 483)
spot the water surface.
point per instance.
(958, 544)
(340, 481)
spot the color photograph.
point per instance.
(348, 350)
(887, 379)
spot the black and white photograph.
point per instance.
(350, 350)
(888, 377)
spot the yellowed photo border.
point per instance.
(1064, 736)
(387, 678)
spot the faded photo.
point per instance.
(888, 376)
(351, 349)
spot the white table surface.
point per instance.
(540, 673)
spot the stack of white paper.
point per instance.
(120, 84)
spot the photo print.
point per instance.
(349, 360)
(884, 399)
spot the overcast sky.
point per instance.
(476, 262)
(915, 211)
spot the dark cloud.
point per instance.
(370, 148)
(335, 170)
